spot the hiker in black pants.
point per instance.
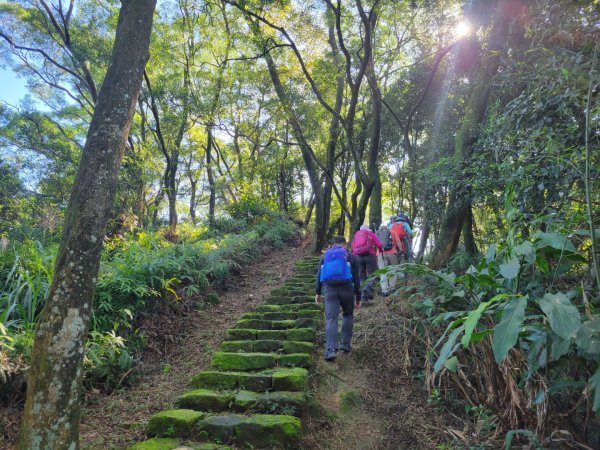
(338, 279)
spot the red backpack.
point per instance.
(362, 243)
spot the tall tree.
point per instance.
(459, 204)
(52, 409)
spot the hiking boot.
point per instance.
(345, 348)
(330, 355)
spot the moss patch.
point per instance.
(245, 400)
(205, 400)
(156, 444)
(301, 334)
(293, 379)
(275, 335)
(174, 422)
(237, 346)
(243, 361)
(222, 427)
(298, 347)
(215, 380)
(296, 360)
(238, 334)
(258, 382)
(268, 431)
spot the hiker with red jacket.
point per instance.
(392, 246)
(365, 246)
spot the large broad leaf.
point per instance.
(510, 269)
(527, 250)
(471, 322)
(559, 347)
(555, 240)
(563, 316)
(507, 331)
(588, 339)
(595, 386)
(449, 348)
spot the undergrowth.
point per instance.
(140, 273)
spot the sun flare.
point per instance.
(463, 28)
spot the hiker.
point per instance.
(338, 279)
(404, 230)
(392, 245)
(365, 246)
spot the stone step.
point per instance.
(257, 430)
(308, 306)
(292, 334)
(284, 315)
(258, 324)
(175, 444)
(258, 361)
(265, 345)
(282, 379)
(272, 402)
(289, 300)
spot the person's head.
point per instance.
(383, 227)
(340, 241)
(365, 228)
(393, 219)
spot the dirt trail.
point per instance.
(373, 397)
(115, 421)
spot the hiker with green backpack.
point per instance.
(338, 279)
(392, 246)
(365, 246)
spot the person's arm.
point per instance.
(377, 242)
(355, 276)
(408, 229)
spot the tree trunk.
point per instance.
(456, 209)
(468, 237)
(193, 190)
(211, 179)
(52, 410)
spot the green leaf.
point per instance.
(507, 331)
(527, 250)
(555, 240)
(491, 254)
(559, 347)
(588, 339)
(449, 347)
(452, 364)
(510, 269)
(563, 316)
(471, 322)
(542, 263)
(595, 386)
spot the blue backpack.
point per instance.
(336, 268)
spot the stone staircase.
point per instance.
(255, 392)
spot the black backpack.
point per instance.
(385, 236)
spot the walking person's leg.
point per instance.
(371, 266)
(347, 303)
(391, 259)
(332, 311)
(385, 289)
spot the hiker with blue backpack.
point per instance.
(338, 279)
(365, 246)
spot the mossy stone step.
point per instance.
(290, 307)
(175, 444)
(174, 422)
(283, 379)
(271, 402)
(284, 315)
(264, 345)
(285, 299)
(293, 334)
(256, 361)
(259, 324)
(259, 430)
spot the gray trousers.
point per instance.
(367, 264)
(336, 297)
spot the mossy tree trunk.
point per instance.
(52, 410)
